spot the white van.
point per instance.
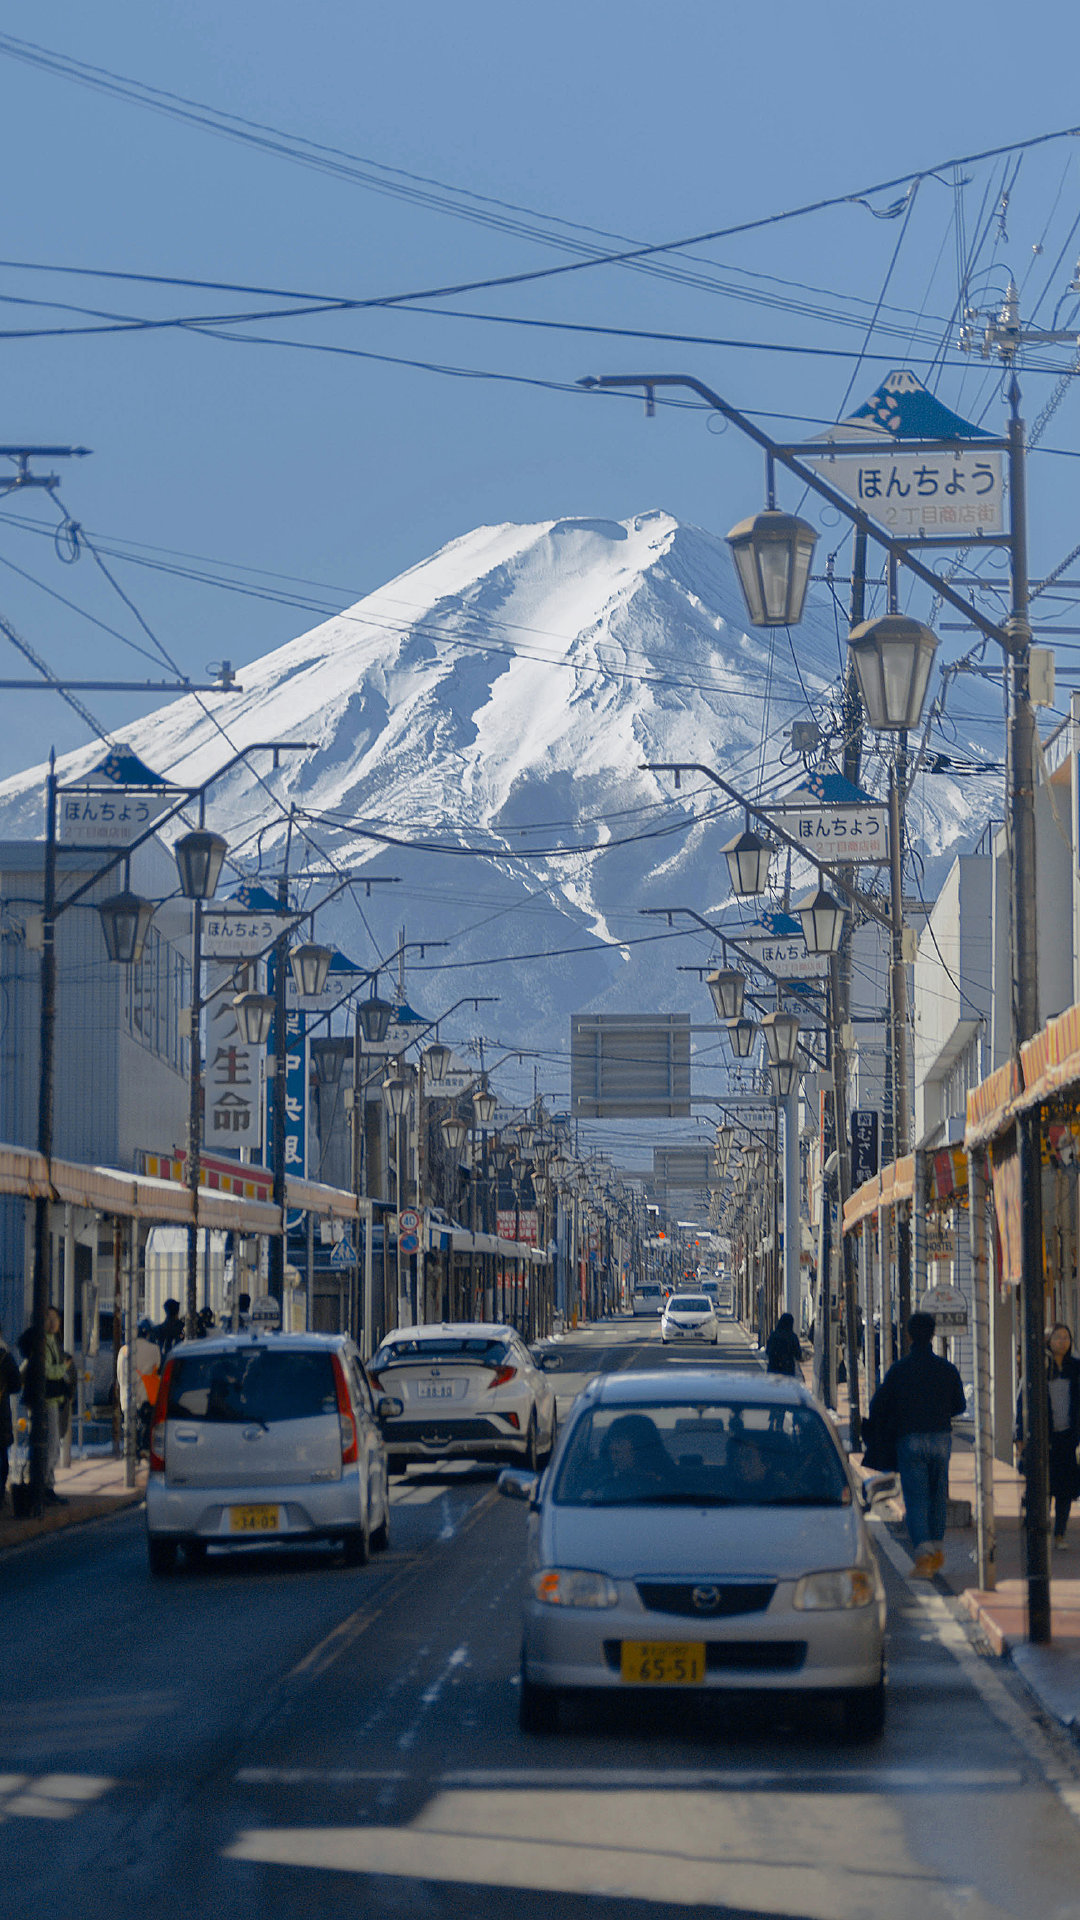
(648, 1299)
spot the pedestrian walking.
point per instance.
(1063, 1392)
(171, 1329)
(783, 1353)
(10, 1382)
(913, 1411)
(58, 1388)
(147, 1358)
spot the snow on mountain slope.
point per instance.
(503, 695)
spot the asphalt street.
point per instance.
(280, 1735)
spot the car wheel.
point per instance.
(862, 1713)
(161, 1555)
(396, 1463)
(716, 1339)
(550, 1448)
(357, 1547)
(538, 1708)
(532, 1457)
(380, 1539)
(195, 1554)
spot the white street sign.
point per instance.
(787, 957)
(232, 934)
(832, 834)
(958, 495)
(110, 816)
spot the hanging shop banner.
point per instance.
(296, 1087)
(1005, 1177)
(232, 1074)
(517, 1226)
(834, 819)
(119, 800)
(777, 942)
(948, 1306)
(865, 1152)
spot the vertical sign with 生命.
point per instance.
(232, 1076)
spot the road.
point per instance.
(280, 1737)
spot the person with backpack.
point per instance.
(912, 1414)
(783, 1353)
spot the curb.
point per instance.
(80, 1513)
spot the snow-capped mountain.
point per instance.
(478, 727)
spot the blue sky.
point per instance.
(644, 122)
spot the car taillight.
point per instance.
(157, 1424)
(500, 1377)
(375, 1381)
(350, 1448)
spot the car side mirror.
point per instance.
(549, 1362)
(878, 1487)
(515, 1484)
(389, 1408)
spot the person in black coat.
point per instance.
(912, 1412)
(782, 1350)
(1063, 1392)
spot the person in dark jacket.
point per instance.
(10, 1382)
(171, 1329)
(1063, 1393)
(782, 1350)
(914, 1407)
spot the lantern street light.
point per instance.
(781, 1035)
(484, 1104)
(125, 922)
(395, 1093)
(772, 554)
(743, 1035)
(437, 1060)
(749, 858)
(310, 965)
(784, 1075)
(823, 920)
(254, 1017)
(892, 657)
(727, 988)
(328, 1057)
(199, 856)
(455, 1132)
(374, 1017)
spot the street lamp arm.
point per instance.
(898, 550)
(858, 898)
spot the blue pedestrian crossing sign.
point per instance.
(344, 1253)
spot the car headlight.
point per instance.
(846, 1587)
(573, 1587)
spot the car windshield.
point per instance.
(256, 1384)
(483, 1351)
(650, 1290)
(722, 1453)
(689, 1303)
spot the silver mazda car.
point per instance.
(701, 1530)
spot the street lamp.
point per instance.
(199, 856)
(743, 1035)
(455, 1132)
(749, 858)
(125, 922)
(727, 988)
(484, 1104)
(772, 554)
(781, 1034)
(822, 919)
(254, 1017)
(437, 1060)
(374, 1017)
(328, 1057)
(310, 965)
(892, 657)
(784, 1075)
(395, 1093)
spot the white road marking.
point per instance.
(655, 1779)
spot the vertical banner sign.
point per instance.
(232, 1076)
(864, 1146)
(296, 1079)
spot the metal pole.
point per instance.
(39, 1429)
(131, 1420)
(898, 1009)
(69, 1321)
(194, 1169)
(843, 1194)
(281, 1067)
(310, 1275)
(1021, 775)
(792, 1210)
(985, 1524)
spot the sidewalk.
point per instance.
(1052, 1672)
(92, 1489)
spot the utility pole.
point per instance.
(39, 1429)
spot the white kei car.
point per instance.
(468, 1389)
(689, 1316)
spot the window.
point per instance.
(255, 1384)
(485, 1352)
(714, 1453)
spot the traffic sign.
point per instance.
(408, 1220)
(344, 1253)
(409, 1242)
